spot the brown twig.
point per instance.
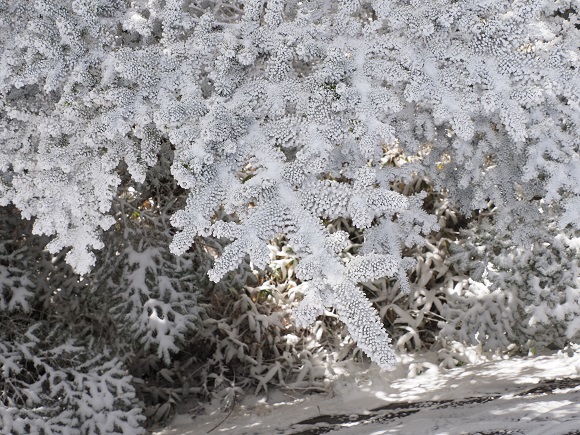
(226, 417)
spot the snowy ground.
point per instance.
(534, 395)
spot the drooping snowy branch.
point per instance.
(279, 114)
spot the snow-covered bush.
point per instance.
(58, 373)
(513, 295)
(245, 337)
(55, 386)
(152, 293)
(248, 341)
(276, 116)
(412, 319)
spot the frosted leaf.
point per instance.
(337, 241)
(364, 324)
(309, 309)
(308, 268)
(372, 266)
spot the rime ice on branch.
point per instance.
(279, 113)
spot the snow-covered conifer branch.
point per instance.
(279, 114)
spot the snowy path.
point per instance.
(527, 412)
(535, 395)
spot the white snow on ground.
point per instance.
(499, 384)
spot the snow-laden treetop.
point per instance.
(280, 113)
